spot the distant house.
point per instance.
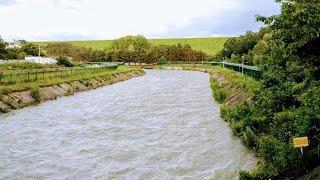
(2, 61)
(41, 60)
(14, 45)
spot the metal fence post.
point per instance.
(1, 76)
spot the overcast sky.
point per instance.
(108, 19)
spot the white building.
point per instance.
(14, 45)
(41, 60)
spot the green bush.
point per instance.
(162, 61)
(286, 105)
(64, 61)
(22, 55)
(35, 93)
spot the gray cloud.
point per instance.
(6, 2)
(96, 19)
(228, 24)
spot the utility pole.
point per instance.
(242, 57)
(39, 54)
(202, 57)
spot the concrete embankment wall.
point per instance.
(235, 94)
(17, 100)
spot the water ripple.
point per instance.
(164, 125)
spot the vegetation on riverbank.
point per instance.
(238, 98)
(287, 104)
(128, 49)
(18, 53)
(210, 46)
(23, 66)
(52, 80)
(33, 93)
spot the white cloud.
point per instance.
(104, 19)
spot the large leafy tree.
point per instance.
(288, 103)
(130, 48)
(3, 50)
(130, 43)
(236, 47)
(30, 49)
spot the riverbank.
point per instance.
(235, 94)
(164, 125)
(18, 96)
(231, 90)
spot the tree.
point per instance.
(63, 61)
(3, 51)
(237, 47)
(131, 43)
(30, 49)
(288, 103)
(60, 49)
(76, 53)
(130, 49)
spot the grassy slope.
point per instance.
(58, 80)
(229, 87)
(231, 90)
(208, 45)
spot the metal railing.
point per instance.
(32, 75)
(251, 71)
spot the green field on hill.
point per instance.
(208, 45)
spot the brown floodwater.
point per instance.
(164, 125)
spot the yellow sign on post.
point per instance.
(300, 142)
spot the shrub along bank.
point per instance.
(287, 104)
(271, 140)
(237, 97)
(20, 95)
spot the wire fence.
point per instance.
(251, 71)
(32, 75)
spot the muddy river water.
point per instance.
(164, 125)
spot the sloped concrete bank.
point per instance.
(235, 94)
(18, 100)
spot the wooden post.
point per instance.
(1, 77)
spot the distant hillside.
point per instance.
(208, 45)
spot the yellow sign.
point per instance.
(300, 142)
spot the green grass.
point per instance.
(52, 80)
(231, 81)
(209, 45)
(23, 65)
